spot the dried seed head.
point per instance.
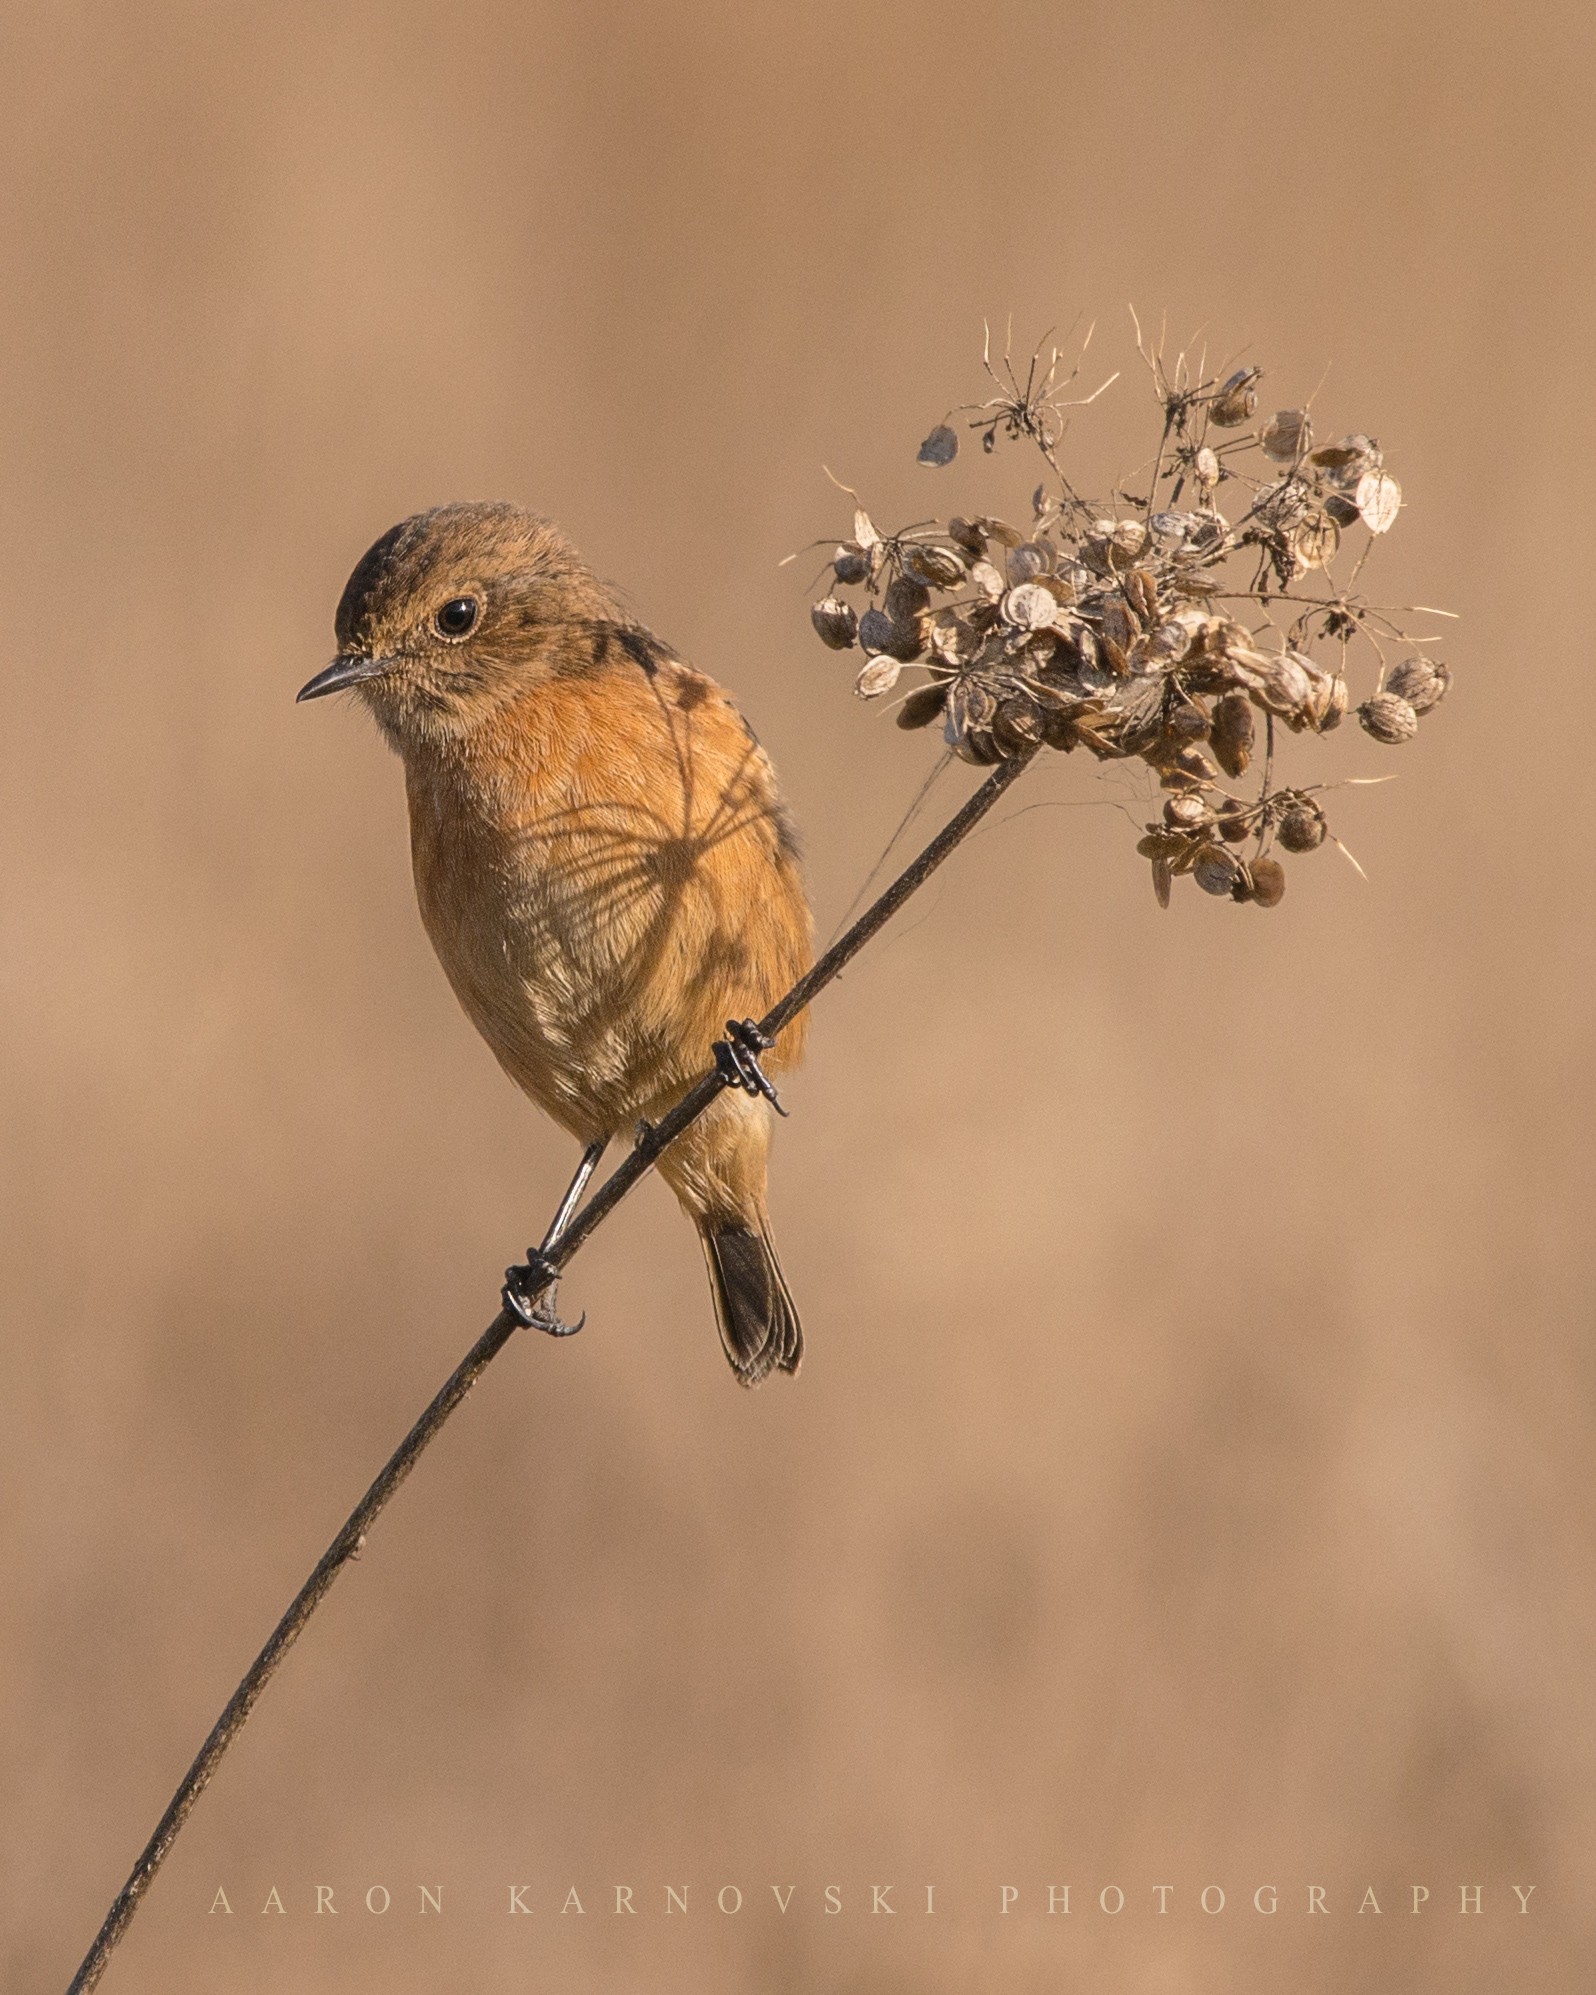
(1422, 682)
(1286, 435)
(851, 563)
(923, 705)
(940, 447)
(1303, 827)
(835, 623)
(1218, 872)
(1267, 882)
(877, 676)
(1237, 401)
(1230, 733)
(1389, 718)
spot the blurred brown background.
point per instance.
(1189, 1482)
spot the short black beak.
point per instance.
(347, 671)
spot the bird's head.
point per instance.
(454, 613)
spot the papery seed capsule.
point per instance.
(940, 567)
(987, 579)
(1186, 813)
(1235, 820)
(1237, 401)
(835, 623)
(1230, 733)
(940, 447)
(923, 706)
(1267, 883)
(1217, 871)
(966, 534)
(1422, 682)
(1341, 510)
(1162, 879)
(1030, 606)
(1303, 827)
(1018, 725)
(1379, 500)
(1141, 592)
(1389, 718)
(1187, 721)
(1286, 435)
(1334, 705)
(1316, 540)
(1206, 466)
(1128, 538)
(877, 676)
(851, 563)
(1026, 562)
(876, 629)
(906, 598)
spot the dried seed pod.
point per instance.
(1230, 733)
(851, 563)
(1162, 842)
(865, 531)
(923, 705)
(1187, 720)
(1341, 510)
(906, 598)
(1234, 820)
(1218, 872)
(967, 535)
(1206, 465)
(835, 623)
(1162, 879)
(1187, 813)
(1170, 528)
(1237, 401)
(951, 638)
(1286, 435)
(1026, 562)
(1141, 592)
(940, 447)
(1315, 540)
(1333, 705)
(1000, 531)
(939, 567)
(877, 676)
(987, 579)
(1389, 718)
(1018, 725)
(1266, 884)
(1355, 454)
(1303, 827)
(1127, 539)
(1379, 499)
(1030, 606)
(1422, 682)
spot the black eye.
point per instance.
(458, 617)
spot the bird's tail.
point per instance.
(759, 1325)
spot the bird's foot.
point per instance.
(528, 1294)
(737, 1060)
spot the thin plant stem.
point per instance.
(350, 1540)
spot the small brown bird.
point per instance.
(602, 860)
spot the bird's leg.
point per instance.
(737, 1060)
(529, 1287)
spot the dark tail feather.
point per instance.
(759, 1325)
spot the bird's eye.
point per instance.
(458, 617)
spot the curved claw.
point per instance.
(737, 1060)
(528, 1294)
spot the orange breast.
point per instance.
(607, 876)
